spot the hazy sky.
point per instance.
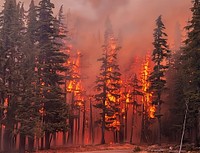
(133, 19)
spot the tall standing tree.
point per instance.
(136, 91)
(50, 69)
(28, 111)
(160, 57)
(108, 85)
(191, 66)
(10, 37)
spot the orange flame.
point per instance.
(152, 111)
(147, 98)
(70, 86)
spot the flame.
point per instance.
(128, 97)
(78, 86)
(111, 97)
(70, 86)
(5, 105)
(110, 69)
(147, 98)
(152, 111)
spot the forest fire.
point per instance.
(68, 80)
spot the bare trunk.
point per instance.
(83, 129)
(126, 122)
(103, 128)
(91, 124)
(184, 125)
(7, 140)
(71, 132)
(121, 130)
(22, 143)
(64, 138)
(47, 140)
(54, 139)
(159, 131)
(142, 135)
(31, 144)
(42, 143)
(159, 120)
(132, 124)
(79, 123)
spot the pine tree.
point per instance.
(136, 91)
(191, 66)
(108, 85)
(51, 62)
(173, 123)
(160, 57)
(11, 61)
(28, 111)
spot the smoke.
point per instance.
(132, 20)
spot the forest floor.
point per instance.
(123, 148)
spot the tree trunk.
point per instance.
(83, 129)
(71, 122)
(71, 131)
(79, 124)
(42, 143)
(159, 130)
(64, 137)
(0, 138)
(47, 140)
(159, 120)
(91, 124)
(7, 140)
(121, 130)
(132, 124)
(198, 126)
(103, 128)
(126, 122)
(22, 143)
(30, 144)
(142, 135)
(54, 139)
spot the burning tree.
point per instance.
(74, 96)
(108, 85)
(160, 57)
(135, 92)
(148, 110)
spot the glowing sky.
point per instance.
(133, 19)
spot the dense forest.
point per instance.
(43, 100)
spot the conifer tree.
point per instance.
(10, 30)
(28, 111)
(191, 66)
(136, 91)
(50, 70)
(108, 85)
(160, 57)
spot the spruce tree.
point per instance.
(191, 66)
(10, 30)
(28, 111)
(108, 85)
(160, 57)
(50, 69)
(136, 91)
